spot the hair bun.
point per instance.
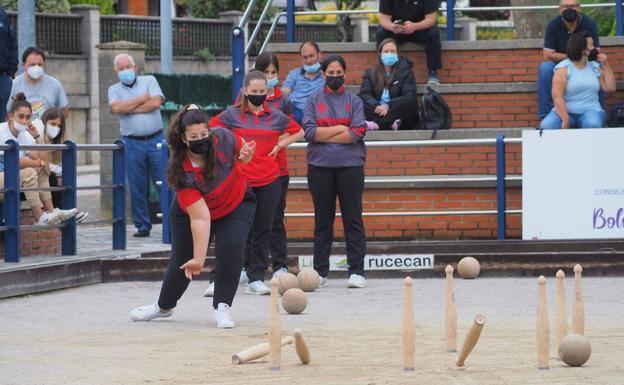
(19, 96)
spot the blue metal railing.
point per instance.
(500, 178)
(11, 191)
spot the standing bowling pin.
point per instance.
(561, 314)
(471, 339)
(578, 308)
(275, 329)
(450, 312)
(409, 337)
(542, 325)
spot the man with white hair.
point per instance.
(137, 101)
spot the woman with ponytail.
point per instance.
(213, 200)
(273, 131)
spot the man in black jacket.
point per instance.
(8, 61)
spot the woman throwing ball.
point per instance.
(212, 200)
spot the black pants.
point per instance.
(230, 235)
(259, 241)
(430, 37)
(406, 110)
(279, 250)
(56, 195)
(348, 184)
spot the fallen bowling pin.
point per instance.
(301, 347)
(471, 339)
(257, 351)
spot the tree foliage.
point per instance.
(211, 8)
(343, 22)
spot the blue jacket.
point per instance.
(8, 45)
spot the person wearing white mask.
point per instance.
(42, 90)
(305, 81)
(389, 91)
(137, 101)
(53, 124)
(33, 170)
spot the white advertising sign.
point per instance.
(573, 184)
(376, 262)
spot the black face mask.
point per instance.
(569, 15)
(593, 55)
(256, 100)
(334, 82)
(200, 146)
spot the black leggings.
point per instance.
(347, 183)
(230, 235)
(279, 250)
(406, 110)
(259, 241)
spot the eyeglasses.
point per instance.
(23, 116)
(569, 6)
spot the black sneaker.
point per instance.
(141, 234)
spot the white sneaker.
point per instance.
(222, 316)
(258, 288)
(53, 218)
(243, 278)
(66, 215)
(146, 313)
(210, 290)
(356, 281)
(279, 272)
(323, 282)
(81, 216)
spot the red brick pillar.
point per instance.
(137, 7)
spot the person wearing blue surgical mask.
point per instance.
(305, 81)
(137, 100)
(389, 91)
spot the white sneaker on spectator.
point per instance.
(81, 216)
(47, 218)
(210, 290)
(149, 312)
(222, 316)
(356, 281)
(66, 215)
(323, 282)
(279, 272)
(243, 278)
(257, 288)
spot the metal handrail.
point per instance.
(256, 30)
(247, 13)
(412, 213)
(426, 143)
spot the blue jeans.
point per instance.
(142, 159)
(588, 119)
(544, 89)
(5, 93)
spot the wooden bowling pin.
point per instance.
(409, 336)
(471, 339)
(301, 347)
(561, 314)
(542, 325)
(257, 351)
(578, 308)
(450, 312)
(275, 329)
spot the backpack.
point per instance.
(617, 116)
(435, 114)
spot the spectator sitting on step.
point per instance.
(33, 170)
(53, 124)
(558, 31)
(303, 82)
(415, 21)
(389, 91)
(576, 83)
(42, 91)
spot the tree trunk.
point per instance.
(344, 28)
(531, 24)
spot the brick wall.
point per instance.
(33, 242)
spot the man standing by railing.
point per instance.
(137, 101)
(8, 61)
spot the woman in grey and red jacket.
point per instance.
(334, 128)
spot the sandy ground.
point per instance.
(84, 336)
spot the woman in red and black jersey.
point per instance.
(213, 199)
(272, 131)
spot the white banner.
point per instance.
(573, 184)
(376, 262)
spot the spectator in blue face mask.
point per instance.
(305, 81)
(389, 91)
(137, 101)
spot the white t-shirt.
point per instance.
(23, 138)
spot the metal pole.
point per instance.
(619, 16)
(501, 193)
(164, 193)
(26, 29)
(238, 60)
(290, 21)
(68, 198)
(119, 196)
(166, 38)
(450, 20)
(11, 203)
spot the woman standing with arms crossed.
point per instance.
(273, 131)
(334, 128)
(212, 199)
